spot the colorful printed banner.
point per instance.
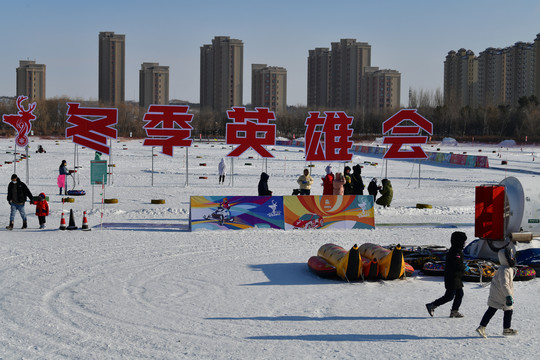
(329, 212)
(281, 212)
(236, 212)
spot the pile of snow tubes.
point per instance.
(479, 270)
(367, 262)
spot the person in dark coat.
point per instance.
(453, 276)
(356, 180)
(16, 197)
(263, 185)
(387, 193)
(347, 187)
(373, 188)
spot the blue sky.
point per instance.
(411, 36)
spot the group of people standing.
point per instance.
(348, 183)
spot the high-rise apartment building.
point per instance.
(496, 77)
(112, 68)
(460, 78)
(337, 79)
(153, 84)
(222, 68)
(31, 80)
(269, 87)
(318, 94)
(537, 66)
(349, 59)
(382, 89)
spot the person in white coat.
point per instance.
(222, 169)
(501, 294)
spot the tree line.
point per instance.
(487, 124)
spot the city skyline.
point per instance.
(410, 37)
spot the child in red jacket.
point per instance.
(42, 210)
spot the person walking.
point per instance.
(305, 181)
(328, 181)
(501, 293)
(453, 276)
(42, 209)
(16, 196)
(62, 176)
(222, 170)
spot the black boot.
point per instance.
(24, 225)
(10, 226)
(60, 191)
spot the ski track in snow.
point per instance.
(149, 292)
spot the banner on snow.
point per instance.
(281, 212)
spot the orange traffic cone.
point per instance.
(63, 222)
(71, 225)
(85, 223)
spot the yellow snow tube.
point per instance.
(391, 262)
(347, 263)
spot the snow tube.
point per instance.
(348, 264)
(479, 270)
(390, 262)
(529, 257)
(524, 273)
(433, 268)
(321, 267)
(417, 256)
(76, 192)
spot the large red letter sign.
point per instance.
(248, 133)
(337, 133)
(21, 121)
(167, 135)
(406, 134)
(92, 126)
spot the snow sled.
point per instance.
(333, 261)
(417, 256)
(221, 214)
(527, 254)
(529, 257)
(76, 192)
(479, 270)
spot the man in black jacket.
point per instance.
(453, 275)
(16, 197)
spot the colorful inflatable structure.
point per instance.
(367, 262)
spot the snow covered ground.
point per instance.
(146, 287)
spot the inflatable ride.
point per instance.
(367, 262)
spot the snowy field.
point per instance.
(145, 287)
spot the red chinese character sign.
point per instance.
(335, 128)
(250, 129)
(21, 121)
(168, 126)
(402, 132)
(91, 126)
